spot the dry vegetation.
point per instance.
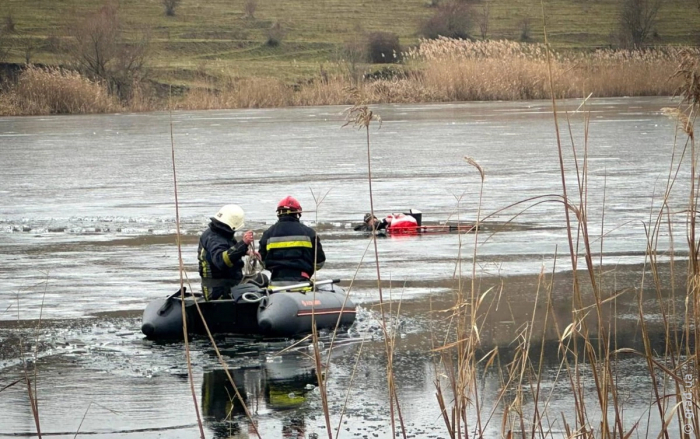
(502, 70)
(437, 70)
(56, 91)
(215, 54)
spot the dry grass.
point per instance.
(502, 70)
(56, 91)
(440, 70)
(456, 70)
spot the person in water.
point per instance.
(371, 223)
(290, 250)
(395, 221)
(220, 255)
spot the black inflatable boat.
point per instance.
(283, 311)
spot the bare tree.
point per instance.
(482, 19)
(525, 29)
(353, 54)
(29, 49)
(10, 24)
(451, 19)
(170, 6)
(275, 34)
(636, 21)
(100, 50)
(7, 40)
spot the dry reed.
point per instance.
(56, 91)
(457, 70)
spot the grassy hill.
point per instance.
(216, 37)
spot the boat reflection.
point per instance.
(277, 385)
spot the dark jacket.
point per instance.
(289, 249)
(220, 260)
(379, 225)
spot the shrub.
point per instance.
(250, 7)
(383, 47)
(275, 35)
(386, 73)
(170, 6)
(525, 29)
(10, 25)
(451, 19)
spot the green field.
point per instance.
(214, 37)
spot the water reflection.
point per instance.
(275, 386)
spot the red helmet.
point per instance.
(288, 205)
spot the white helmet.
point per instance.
(232, 215)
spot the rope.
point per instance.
(252, 297)
(252, 264)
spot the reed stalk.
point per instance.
(181, 269)
(361, 117)
(199, 311)
(320, 367)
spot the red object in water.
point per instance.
(432, 230)
(403, 224)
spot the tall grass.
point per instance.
(55, 90)
(505, 70)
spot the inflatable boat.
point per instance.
(283, 311)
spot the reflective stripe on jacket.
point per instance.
(289, 249)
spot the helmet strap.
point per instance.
(288, 212)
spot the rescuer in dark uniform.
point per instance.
(371, 223)
(220, 255)
(290, 250)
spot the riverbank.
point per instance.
(442, 70)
